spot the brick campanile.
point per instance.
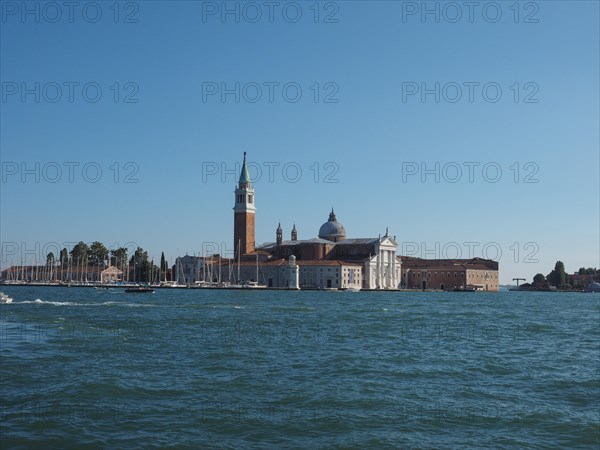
(243, 215)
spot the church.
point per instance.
(328, 261)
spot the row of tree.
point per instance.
(560, 279)
(139, 267)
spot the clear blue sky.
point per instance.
(372, 55)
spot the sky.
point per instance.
(467, 130)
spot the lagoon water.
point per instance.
(87, 368)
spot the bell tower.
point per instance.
(243, 215)
(294, 233)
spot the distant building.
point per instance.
(190, 269)
(445, 274)
(312, 274)
(111, 275)
(581, 281)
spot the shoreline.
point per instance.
(265, 288)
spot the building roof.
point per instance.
(315, 262)
(268, 245)
(358, 241)
(359, 257)
(326, 262)
(274, 262)
(409, 262)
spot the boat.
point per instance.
(5, 298)
(593, 287)
(253, 285)
(139, 289)
(465, 289)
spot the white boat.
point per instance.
(5, 298)
(253, 285)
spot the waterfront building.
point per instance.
(306, 274)
(190, 269)
(581, 281)
(449, 274)
(111, 275)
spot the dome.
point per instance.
(332, 230)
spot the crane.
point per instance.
(519, 279)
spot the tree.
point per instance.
(64, 258)
(539, 279)
(98, 254)
(50, 260)
(163, 266)
(80, 252)
(557, 276)
(139, 265)
(118, 257)
(560, 268)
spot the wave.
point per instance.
(38, 301)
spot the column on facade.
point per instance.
(380, 271)
(394, 283)
(385, 271)
(383, 274)
(390, 272)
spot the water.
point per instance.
(86, 368)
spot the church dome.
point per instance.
(332, 230)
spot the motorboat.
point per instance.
(252, 285)
(139, 289)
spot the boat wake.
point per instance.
(38, 301)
